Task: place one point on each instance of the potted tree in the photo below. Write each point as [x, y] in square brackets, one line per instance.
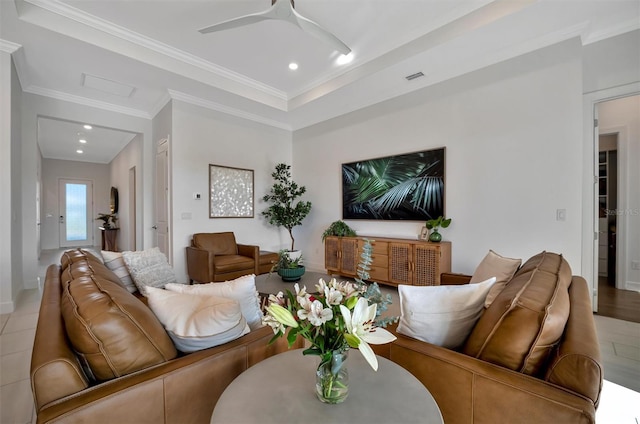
[434, 224]
[285, 209]
[288, 269]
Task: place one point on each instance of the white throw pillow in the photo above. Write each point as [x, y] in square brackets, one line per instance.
[114, 261]
[149, 268]
[494, 265]
[242, 289]
[441, 315]
[197, 322]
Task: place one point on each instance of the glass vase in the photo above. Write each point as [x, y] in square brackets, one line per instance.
[332, 379]
[435, 236]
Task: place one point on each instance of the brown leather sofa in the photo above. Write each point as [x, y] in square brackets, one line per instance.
[101, 356]
[506, 372]
[217, 257]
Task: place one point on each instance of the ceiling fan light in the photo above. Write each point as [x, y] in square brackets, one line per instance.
[87, 127]
[343, 59]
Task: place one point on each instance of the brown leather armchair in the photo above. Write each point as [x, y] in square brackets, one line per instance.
[217, 257]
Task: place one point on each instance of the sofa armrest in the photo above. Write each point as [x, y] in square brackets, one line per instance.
[200, 266]
[182, 390]
[252, 252]
[451, 279]
[470, 390]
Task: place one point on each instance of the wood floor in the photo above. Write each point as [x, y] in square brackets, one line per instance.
[616, 303]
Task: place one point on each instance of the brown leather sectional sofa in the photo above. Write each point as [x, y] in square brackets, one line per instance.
[122, 367]
[101, 356]
[507, 372]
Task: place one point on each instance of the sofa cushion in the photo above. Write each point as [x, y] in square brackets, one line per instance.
[115, 262]
[441, 315]
[79, 262]
[242, 289]
[494, 265]
[197, 322]
[218, 243]
[148, 268]
[110, 329]
[526, 320]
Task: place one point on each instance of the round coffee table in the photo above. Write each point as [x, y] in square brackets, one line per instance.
[281, 389]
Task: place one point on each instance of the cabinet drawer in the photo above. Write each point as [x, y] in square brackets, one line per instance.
[379, 247]
[379, 261]
[378, 274]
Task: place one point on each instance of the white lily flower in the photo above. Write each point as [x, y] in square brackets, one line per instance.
[333, 296]
[361, 327]
[315, 312]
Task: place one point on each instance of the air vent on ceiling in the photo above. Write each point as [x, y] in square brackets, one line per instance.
[107, 86]
[414, 76]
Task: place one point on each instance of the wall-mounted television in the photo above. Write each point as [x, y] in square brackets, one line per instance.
[401, 187]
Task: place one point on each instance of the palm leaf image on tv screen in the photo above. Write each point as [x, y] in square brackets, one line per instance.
[402, 187]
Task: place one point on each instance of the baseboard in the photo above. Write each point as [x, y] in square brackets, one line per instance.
[633, 285]
[7, 307]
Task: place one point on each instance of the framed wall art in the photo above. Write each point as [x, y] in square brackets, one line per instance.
[402, 187]
[230, 192]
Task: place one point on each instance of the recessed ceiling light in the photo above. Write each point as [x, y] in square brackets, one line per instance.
[293, 66]
[343, 59]
[82, 140]
[79, 151]
[87, 127]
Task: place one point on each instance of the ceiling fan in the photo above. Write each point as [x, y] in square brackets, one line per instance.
[283, 10]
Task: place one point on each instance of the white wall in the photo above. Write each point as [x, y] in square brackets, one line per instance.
[202, 137]
[622, 116]
[10, 241]
[513, 134]
[612, 62]
[129, 157]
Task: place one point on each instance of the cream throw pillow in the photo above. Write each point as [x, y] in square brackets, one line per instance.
[494, 265]
[441, 315]
[115, 262]
[197, 322]
[242, 289]
[148, 268]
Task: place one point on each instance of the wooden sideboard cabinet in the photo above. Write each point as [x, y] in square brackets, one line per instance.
[394, 261]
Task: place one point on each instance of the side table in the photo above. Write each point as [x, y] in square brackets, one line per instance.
[281, 389]
[109, 239]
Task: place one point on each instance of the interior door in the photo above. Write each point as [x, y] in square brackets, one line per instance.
[162, 199]
[76, 212]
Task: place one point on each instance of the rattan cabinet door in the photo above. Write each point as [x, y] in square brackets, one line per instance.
[332, 254]
[349, 256]
[400, 263]
[427, 265]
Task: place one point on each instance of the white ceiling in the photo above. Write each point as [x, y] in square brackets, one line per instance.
[153, 50]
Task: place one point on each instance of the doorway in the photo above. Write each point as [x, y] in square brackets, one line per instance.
[618, 280]
[76, 210]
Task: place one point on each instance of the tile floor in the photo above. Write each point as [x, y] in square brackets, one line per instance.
[619, 341]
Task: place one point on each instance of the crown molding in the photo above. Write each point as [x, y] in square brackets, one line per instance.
[8, 46]
[166, 98]
[218, 107]
[59, 95]
[631, 25]
[77, 15]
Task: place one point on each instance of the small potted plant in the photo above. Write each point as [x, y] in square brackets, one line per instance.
[289, 269]
[108, 220]
[339, 229]
[434, 225]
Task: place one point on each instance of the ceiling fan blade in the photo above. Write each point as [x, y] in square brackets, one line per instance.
[234, 23]
[307, 25]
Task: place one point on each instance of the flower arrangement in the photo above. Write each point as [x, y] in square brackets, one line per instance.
[338, 316]
[334, 319]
